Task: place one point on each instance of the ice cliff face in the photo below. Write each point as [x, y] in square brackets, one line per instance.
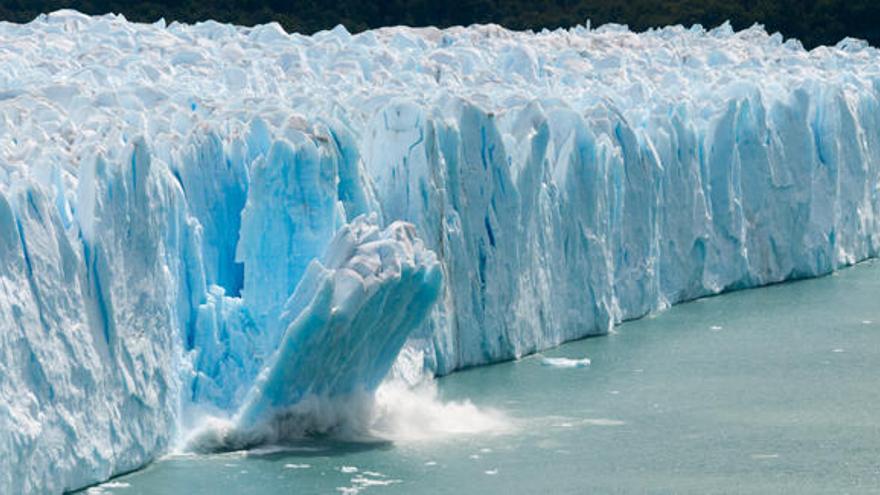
[185, 211]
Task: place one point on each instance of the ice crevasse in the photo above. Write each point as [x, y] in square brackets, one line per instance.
[236, 218]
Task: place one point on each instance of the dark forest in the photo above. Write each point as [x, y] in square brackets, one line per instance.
[814, 22]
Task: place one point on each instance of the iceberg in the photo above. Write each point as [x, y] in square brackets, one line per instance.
[232, 220]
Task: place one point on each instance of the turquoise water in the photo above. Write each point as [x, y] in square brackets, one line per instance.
[773, 390]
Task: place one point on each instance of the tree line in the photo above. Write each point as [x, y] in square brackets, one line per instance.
[814, 22]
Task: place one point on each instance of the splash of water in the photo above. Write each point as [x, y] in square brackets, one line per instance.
[397, 412]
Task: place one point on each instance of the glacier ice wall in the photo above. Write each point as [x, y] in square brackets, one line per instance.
[164, 190]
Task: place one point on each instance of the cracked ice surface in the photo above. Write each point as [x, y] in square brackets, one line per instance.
[164, 190]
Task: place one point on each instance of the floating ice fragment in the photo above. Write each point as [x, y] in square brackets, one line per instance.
[602, 422]
[364, 482]
[103, 487]
[561, 362]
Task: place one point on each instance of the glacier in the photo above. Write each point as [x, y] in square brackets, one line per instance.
[233, 220]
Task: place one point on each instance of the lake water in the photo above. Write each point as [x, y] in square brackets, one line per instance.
[774, 390]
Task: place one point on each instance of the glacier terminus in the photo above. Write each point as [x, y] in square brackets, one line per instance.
[234, 222]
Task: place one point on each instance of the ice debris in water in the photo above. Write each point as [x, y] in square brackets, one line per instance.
[166, 188]
[561, 362]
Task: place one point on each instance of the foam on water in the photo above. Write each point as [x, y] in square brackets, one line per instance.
[398, 412]
[407, 414]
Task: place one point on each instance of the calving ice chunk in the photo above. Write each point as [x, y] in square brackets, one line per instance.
[184, 208]
[348, 318]
[344, 326]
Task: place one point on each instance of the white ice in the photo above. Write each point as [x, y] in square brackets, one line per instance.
[562, 362]
[164, 190]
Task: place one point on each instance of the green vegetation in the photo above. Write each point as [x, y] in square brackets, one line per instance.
[814, 22]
